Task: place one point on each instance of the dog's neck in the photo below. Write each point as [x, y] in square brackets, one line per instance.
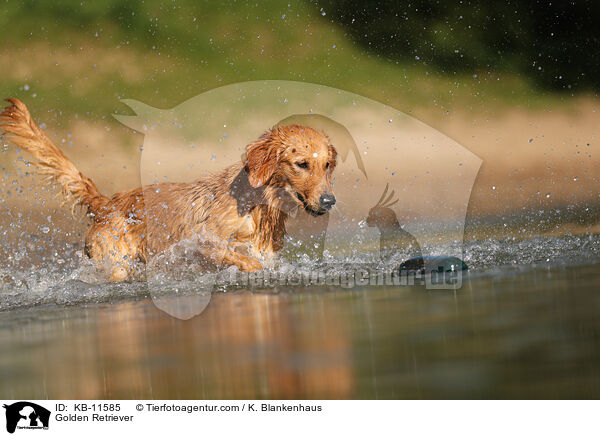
[269, 216]
[269, 206]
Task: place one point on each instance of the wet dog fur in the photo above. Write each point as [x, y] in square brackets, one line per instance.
[236, 216]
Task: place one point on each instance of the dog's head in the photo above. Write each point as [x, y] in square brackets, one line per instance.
[299, 160]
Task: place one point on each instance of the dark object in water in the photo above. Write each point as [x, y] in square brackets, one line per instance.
[434, 263]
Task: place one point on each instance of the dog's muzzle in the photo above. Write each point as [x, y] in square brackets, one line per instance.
[322, 209]
[327, 200]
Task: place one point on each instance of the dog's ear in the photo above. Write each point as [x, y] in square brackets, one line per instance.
[262, 157]
[332, 157]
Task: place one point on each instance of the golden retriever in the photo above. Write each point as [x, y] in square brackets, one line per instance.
[237, 216]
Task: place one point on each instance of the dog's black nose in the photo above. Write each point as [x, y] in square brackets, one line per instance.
[327, 200]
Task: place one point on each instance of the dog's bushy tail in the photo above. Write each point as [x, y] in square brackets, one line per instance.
[22, 131]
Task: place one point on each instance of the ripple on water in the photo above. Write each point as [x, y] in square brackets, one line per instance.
[72, 279]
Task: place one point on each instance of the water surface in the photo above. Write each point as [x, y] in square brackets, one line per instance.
[510, 332]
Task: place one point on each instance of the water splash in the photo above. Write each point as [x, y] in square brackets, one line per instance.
[76, 281]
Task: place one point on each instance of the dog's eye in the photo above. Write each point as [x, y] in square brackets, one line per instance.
[303, 165]
[327, 165]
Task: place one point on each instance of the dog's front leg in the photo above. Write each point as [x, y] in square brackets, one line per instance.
[220, 251]
[243, 262]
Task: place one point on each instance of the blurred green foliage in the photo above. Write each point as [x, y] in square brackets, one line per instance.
[555, 43]
[80, 57]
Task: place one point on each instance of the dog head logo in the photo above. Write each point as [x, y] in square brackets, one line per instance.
[431, 174]
[26, 415]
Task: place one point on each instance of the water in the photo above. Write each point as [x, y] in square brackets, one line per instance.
[71, 279]
[523, 325]
[533, 334]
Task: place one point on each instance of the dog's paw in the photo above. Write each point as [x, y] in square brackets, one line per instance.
[250, 265]
[119, 274]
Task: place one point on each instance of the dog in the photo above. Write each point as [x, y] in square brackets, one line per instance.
[237, 217]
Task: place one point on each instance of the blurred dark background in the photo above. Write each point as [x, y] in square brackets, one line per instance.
[404, 53]
[555, 43]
